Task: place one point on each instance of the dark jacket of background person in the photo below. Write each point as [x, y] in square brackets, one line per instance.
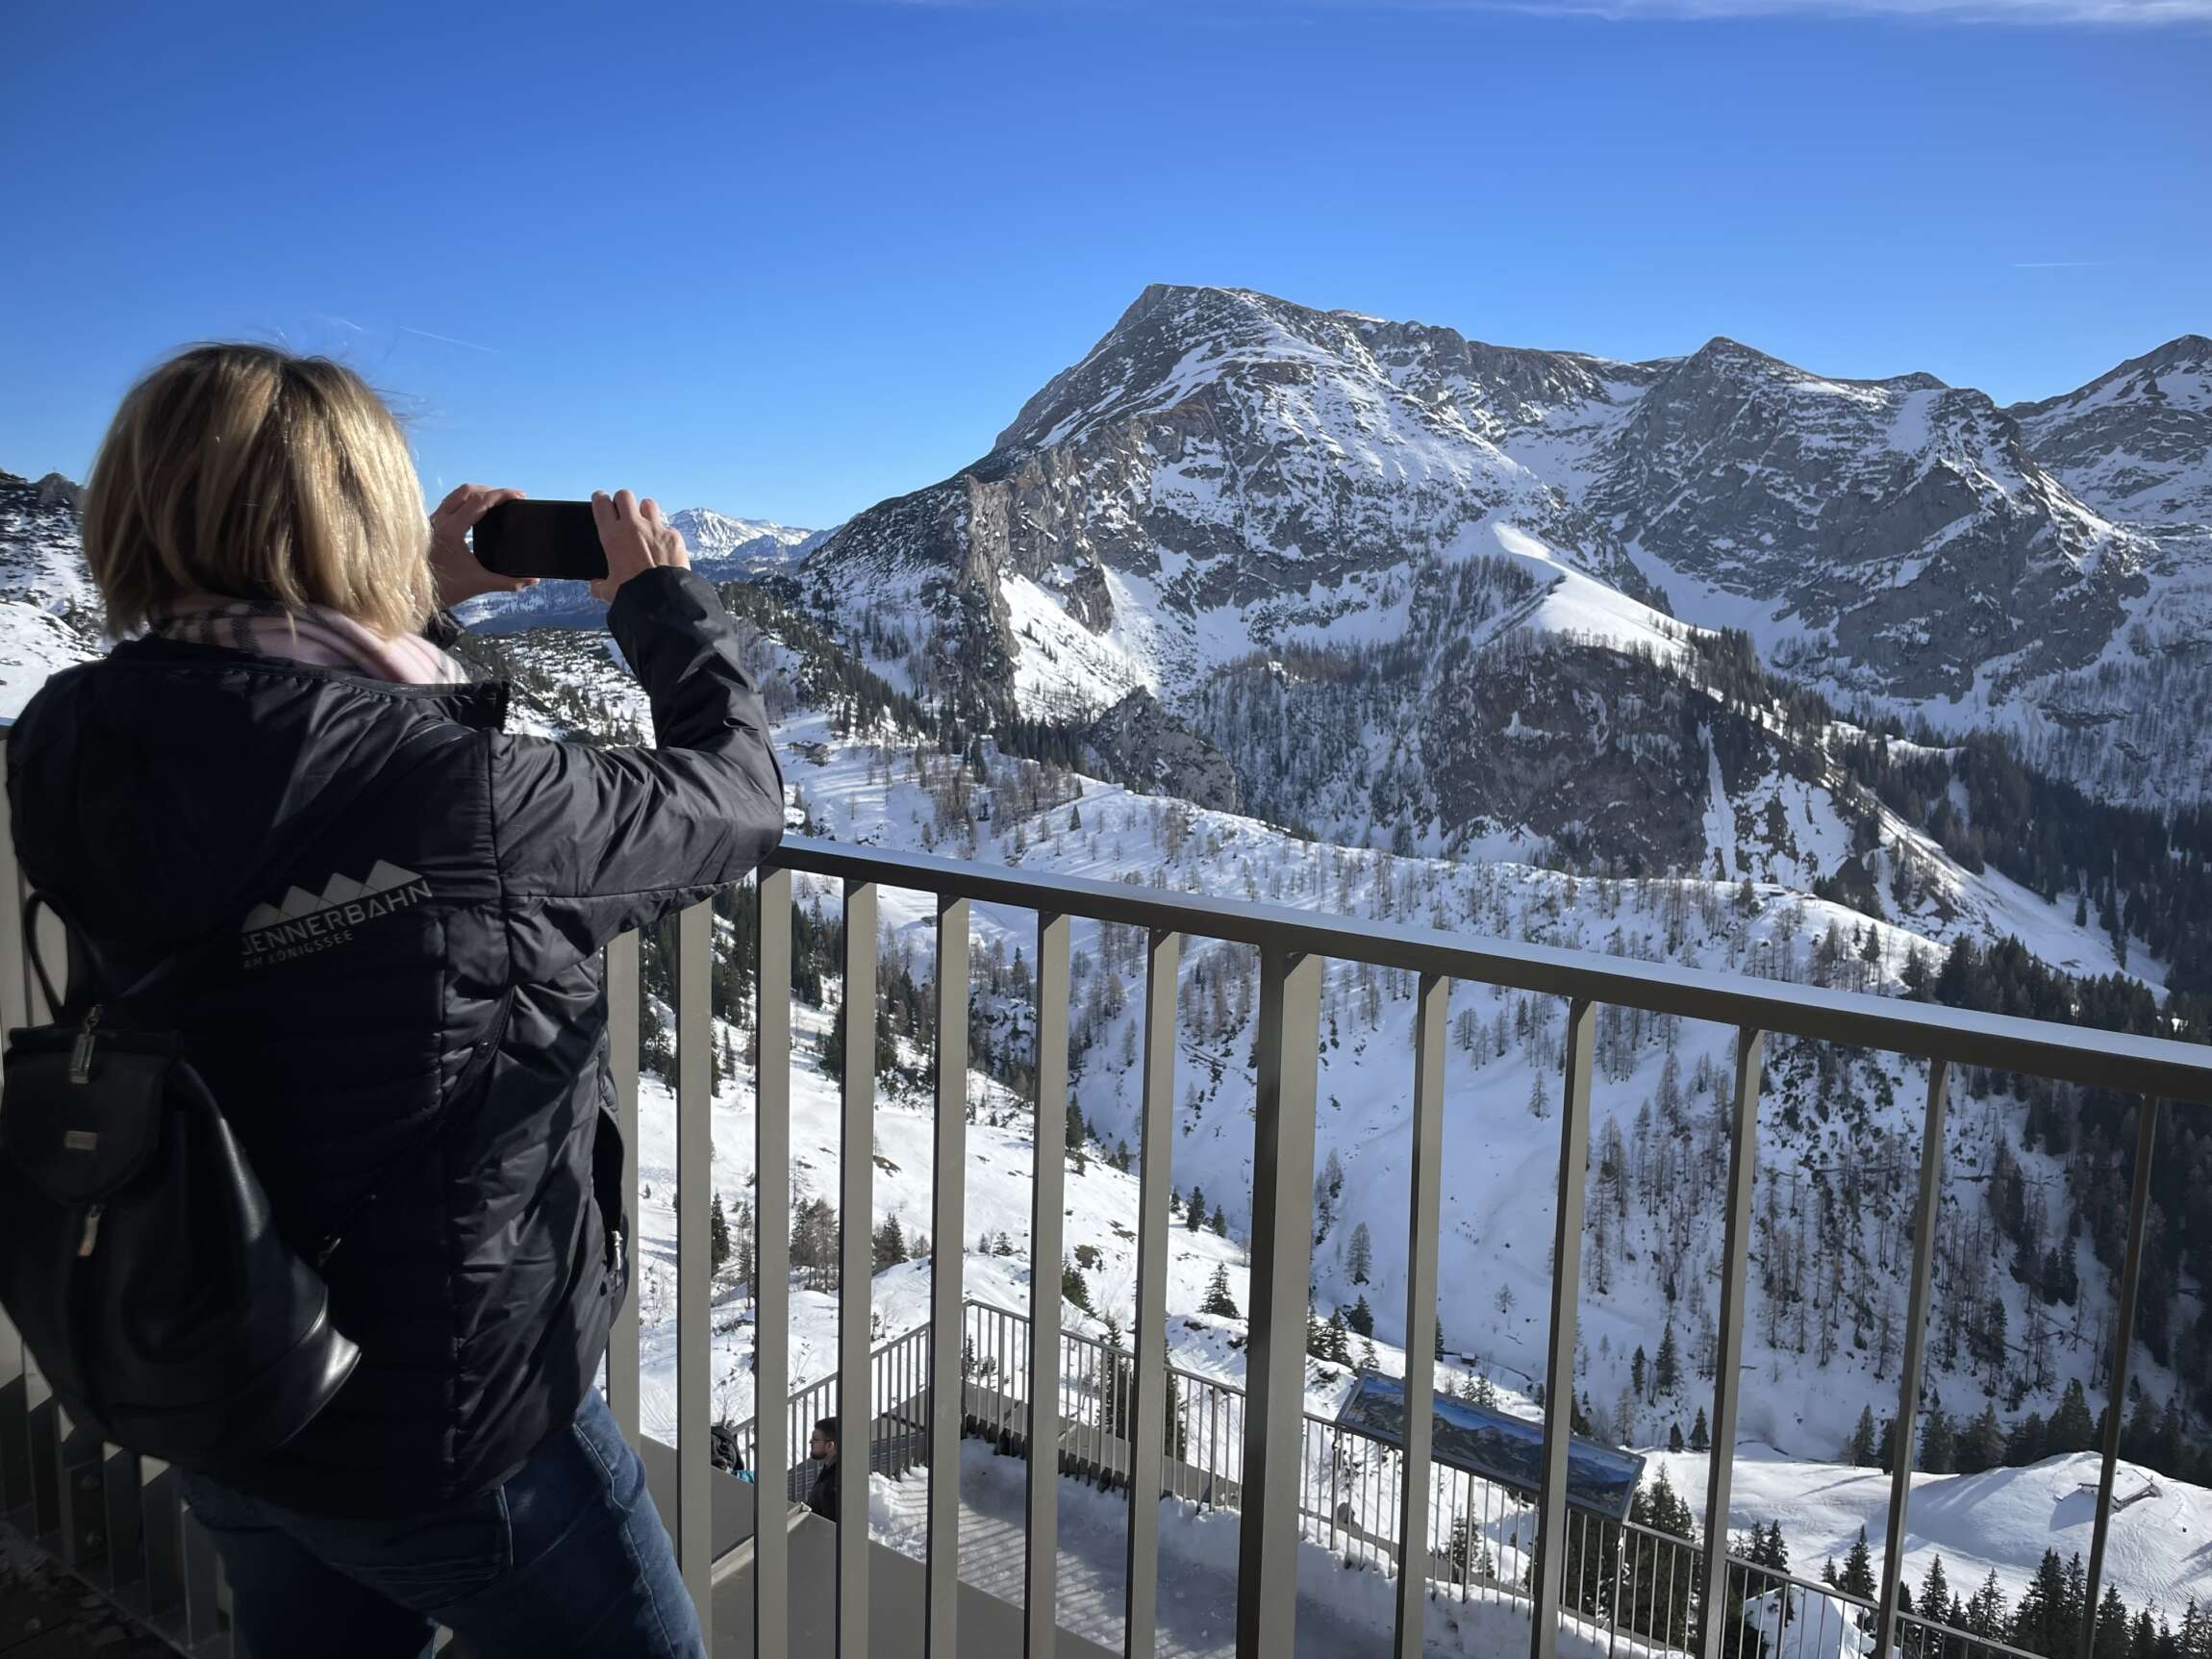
[384, 892]
[823, 1499]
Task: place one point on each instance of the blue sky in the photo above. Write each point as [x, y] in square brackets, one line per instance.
[785, 259]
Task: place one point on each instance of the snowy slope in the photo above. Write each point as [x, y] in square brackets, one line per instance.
[1799, 1401]
[49, 609]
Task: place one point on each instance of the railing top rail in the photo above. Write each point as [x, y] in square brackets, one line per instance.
[1945, 1628]
[2172, 1070]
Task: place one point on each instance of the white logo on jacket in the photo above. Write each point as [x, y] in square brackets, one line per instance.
[305, 923]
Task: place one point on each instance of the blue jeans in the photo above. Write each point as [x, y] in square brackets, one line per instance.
[567, 1557]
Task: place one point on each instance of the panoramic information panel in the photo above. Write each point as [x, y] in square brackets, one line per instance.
[1507, 1450]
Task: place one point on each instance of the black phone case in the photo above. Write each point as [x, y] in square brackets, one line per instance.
[552, 538]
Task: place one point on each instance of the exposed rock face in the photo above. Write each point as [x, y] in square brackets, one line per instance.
[1226, 456]
[50, 614]
[2136, 443]
[1139, 743]
[1226, 472]
[54, 491]
[1900, 524]
[41, 561]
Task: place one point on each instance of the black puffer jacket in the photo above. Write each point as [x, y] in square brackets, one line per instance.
[395, 886]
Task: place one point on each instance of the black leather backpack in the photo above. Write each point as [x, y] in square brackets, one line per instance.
[138, 1257]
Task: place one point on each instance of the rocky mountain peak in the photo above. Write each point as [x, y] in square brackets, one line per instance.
[56, 491]
[2135, 443]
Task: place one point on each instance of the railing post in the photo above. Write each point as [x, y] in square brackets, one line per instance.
[1282, 1266]
[1728, 1350]
[695, 1289]
[1041, 1568]
[122, 1497]
[1146, 1427]
[622, 1011]
[14, 1416]
[1433, 1008]
[161, 1520]
[2122, 1342]
[1903, 1438]
[856, 1159]
[1566, 1294]
[773, 1266]
[947, 1252]
[202, 1577]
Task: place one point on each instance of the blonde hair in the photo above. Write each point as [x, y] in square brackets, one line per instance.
[249, 474]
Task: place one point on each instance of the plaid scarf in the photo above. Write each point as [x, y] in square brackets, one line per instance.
[317, 636]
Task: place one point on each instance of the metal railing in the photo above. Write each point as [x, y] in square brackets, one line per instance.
[1630, 1586]
[150, 1545]
[1270, 1453]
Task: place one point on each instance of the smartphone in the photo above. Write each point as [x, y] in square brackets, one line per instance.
[556, 538]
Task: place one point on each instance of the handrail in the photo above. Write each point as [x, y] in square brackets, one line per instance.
[2161, 1067]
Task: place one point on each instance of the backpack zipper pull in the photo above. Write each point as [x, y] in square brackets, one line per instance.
[81, 1055]
[91, 1232]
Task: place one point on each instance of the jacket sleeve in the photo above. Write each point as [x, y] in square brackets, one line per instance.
[590, 841]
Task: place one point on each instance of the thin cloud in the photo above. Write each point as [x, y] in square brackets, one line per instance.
[2100, 13]
[448, 339]
[2097, 14]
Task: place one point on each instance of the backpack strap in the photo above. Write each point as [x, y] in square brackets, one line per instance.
[83, 996]
[87, 970]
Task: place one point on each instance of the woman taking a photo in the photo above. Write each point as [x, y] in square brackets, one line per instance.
[401, 1013]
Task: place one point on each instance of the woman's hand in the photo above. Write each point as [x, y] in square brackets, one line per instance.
[458, 574]
[636, 538]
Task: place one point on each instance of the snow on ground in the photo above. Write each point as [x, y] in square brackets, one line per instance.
[33, 644]
[1501, 1156]
[2159, 1549]
[1342, 1610]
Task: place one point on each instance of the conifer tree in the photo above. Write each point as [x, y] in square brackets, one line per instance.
[1935, 1590]
[1338, 1336]
[1938, 1443]
[1219, 1301]
[718, 1235]
[1986, 1611]
[888, 1245]
[2072, 1428]
[1857, 1577]
[2112, 1634]
[1860, 1452]
[1981, 1443]
[1073, 1290]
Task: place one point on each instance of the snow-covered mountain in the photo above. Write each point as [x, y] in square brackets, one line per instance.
[2135, 443]
[728, 548]
[1227, 473]
[49, 609]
